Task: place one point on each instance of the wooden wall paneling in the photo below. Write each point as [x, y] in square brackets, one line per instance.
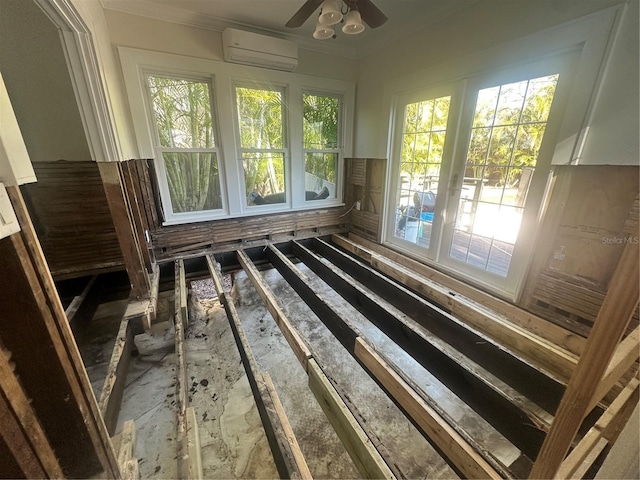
[364, 183]
[127, 238]
[143, 173]
[232, 234]
[70, 213]
[45, 324]
[133, 192]
[29, 453]
[619, 306]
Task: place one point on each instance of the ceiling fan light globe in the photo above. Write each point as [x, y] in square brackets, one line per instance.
[329, 13]
[353, 23]
[323, 32]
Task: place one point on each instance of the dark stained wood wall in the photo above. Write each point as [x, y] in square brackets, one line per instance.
[69, 209]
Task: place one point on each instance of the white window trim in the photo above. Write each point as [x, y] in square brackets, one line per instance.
[137, 63]
[591, 35]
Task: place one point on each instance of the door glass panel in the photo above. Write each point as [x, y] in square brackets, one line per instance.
[508, 126]
[423, 137]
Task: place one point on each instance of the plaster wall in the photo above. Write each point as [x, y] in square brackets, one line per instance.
[150, 34]
[487, 24]
[37, 79]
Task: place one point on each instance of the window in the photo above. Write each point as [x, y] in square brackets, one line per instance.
[465, 164]
[321, 131]
[261, 129]
[185, 143]
[423, 136]
[508, 127]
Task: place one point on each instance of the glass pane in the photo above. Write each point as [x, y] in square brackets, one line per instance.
[440, 113]
[193, 180]
[320, 125]
[539, 98]
[320, 175]
[424, 116]
[182, 112]
[421, 152]
[493, 184]
[264, 178]
[528, 144]
[478, 146]
[436, 147]
[507, 224]
[499, 258]
[502, 142]
[260, 115]
[486, 107]
[510, 103]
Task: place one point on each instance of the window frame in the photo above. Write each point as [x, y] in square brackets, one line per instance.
[163, 184]
[339, 150]
[224, 76]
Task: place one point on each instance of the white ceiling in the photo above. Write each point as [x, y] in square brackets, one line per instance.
[270, 16]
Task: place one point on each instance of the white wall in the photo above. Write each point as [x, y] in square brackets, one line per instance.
[93, 16]
[614, 126]
[37, 79]
[149, 34]
[469, 32]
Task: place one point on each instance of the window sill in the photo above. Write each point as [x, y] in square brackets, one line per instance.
[253, 211]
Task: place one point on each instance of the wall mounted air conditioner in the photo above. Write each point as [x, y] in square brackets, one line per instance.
[250, 48]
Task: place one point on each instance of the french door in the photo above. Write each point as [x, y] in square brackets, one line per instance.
[469, 168]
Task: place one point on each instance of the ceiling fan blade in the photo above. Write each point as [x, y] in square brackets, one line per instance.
[371, 14]
[303, 14]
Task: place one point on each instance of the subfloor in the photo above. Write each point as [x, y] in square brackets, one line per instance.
[232, 439]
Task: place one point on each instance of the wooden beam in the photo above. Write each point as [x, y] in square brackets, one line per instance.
[284, 446]
[472, 342]
[125, 229]
[463, 456]
[297, 344]
[115, 381]
[79, 300]
[348, 336]
[126, 452]
[623, 359]
[193, 445]
[596, 435]
[21, 431]
[368, 461]
[450, 294]
[75, 410]
[553, 334]
[182, 398]
[521, 421]
[617, 309]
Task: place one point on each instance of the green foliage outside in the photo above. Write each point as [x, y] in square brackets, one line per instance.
[261, 119]
[182, 110]
[320, 130]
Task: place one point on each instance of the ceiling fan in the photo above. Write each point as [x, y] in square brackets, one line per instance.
[370, 14]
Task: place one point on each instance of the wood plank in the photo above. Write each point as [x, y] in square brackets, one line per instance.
[193, 445]
[365, 456]
[464, 457]
[181, 292]
[506, 409]
[589, 442]
[555, 361]
[127, 238]
[115, 381]
[619, 306]
[21, 430]
[182, 398]
[77, 408]
[624, 357]
[126, 450]
[297, 344]
[78, 300]
[301, 468]
[284, 446]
